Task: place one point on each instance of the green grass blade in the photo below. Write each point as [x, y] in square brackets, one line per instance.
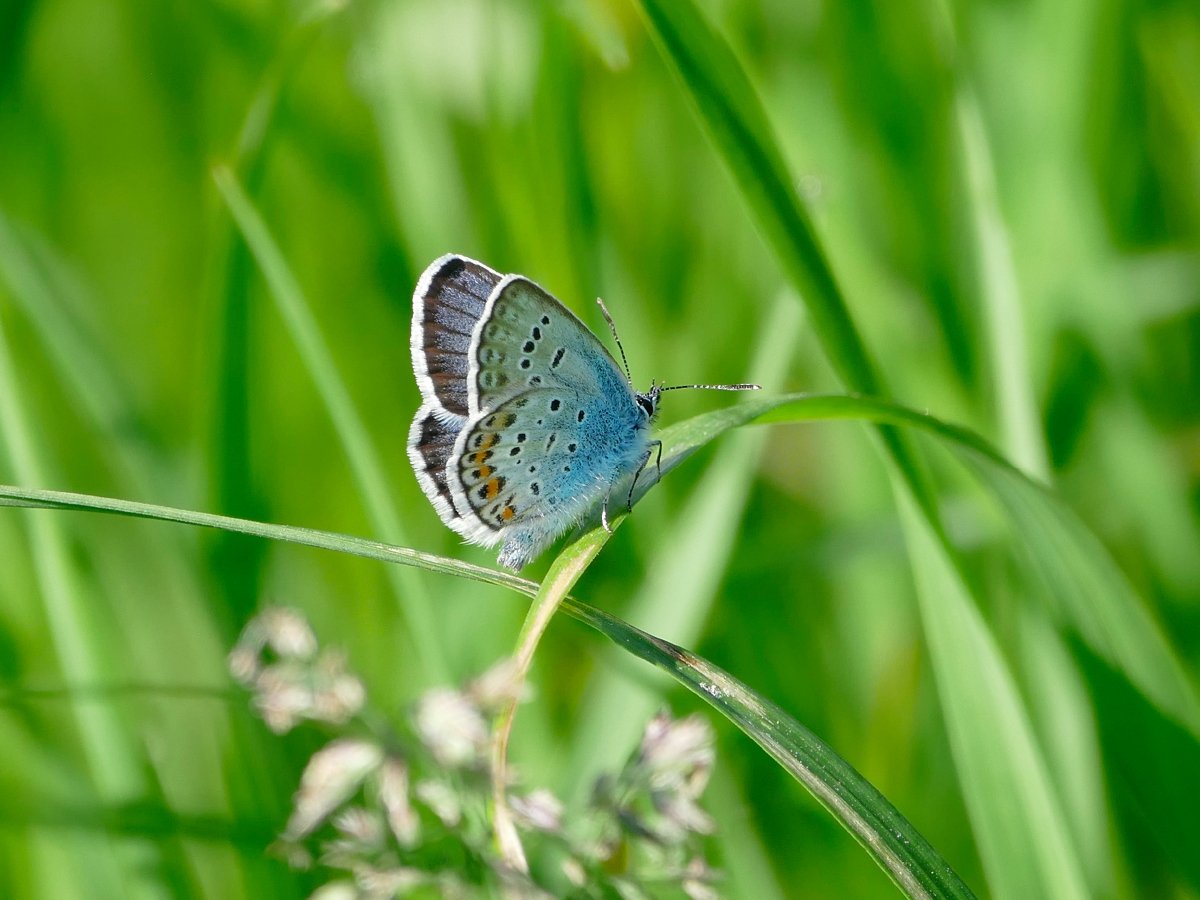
[1018, 827]
[309, 537]
[564, 572]
[112, 756]
[1091, 591]
[356, 442]
[852, 800]
[1019, 419]
[108, 747]
[1063, 711]
[730, 109]
[916, 868]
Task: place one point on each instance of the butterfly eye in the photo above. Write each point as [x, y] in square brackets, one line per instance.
[646, 404]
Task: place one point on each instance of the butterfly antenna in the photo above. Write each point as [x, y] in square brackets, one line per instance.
[714, 387]
[613, 328]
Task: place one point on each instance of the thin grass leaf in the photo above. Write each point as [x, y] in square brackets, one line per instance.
[309, 537]
[733, 116]
[1019, 420]
[1063, 710]
[894, 844]
[112, 758]
[564, 572]
[908, 859]
[1019, 829]
[730, 109]
[744, 857]
[1091, 591]
[107, 745]
[352, 433]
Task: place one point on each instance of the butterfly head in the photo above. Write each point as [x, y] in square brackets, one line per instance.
[648, 402]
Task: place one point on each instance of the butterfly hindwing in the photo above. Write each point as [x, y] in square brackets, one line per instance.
[529, 460]
[449, 300]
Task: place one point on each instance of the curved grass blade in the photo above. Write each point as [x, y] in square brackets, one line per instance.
[915, 866]
[886, 835]
[1019, 829]
[566, 569]
[309, 537]
[728, 105]
[355, 440]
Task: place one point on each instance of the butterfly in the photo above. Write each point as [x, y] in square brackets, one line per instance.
[526, 420]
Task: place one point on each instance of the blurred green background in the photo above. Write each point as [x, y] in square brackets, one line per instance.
[1047, 148]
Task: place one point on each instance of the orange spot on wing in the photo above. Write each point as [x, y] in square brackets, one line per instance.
[493, 488]
[490, 440]
[484, 472]
[508, 513]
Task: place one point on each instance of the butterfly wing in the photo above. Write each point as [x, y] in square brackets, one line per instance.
[526, 340]
[447, 305]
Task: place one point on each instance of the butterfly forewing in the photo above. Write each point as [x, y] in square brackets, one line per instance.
[531, 341]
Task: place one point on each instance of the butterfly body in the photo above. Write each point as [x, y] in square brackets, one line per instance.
[527, 421]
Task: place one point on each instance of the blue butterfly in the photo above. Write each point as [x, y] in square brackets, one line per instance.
[527, 421]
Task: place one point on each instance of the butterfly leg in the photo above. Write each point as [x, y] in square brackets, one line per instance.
[658, 462]
[604, 513]
[641, 466]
